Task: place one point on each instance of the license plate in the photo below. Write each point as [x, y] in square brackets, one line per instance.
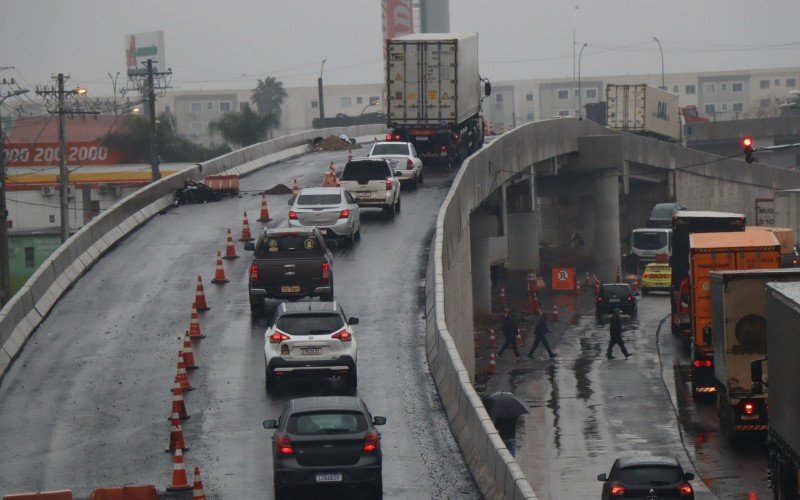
[749, 417]
[613, 300]
[329, 477]
[310, 351]
[422, 138]
[363, 194]
[290, 289]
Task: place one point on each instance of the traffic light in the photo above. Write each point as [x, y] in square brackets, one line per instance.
[747, 143]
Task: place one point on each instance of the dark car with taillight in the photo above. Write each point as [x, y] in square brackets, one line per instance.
[647, 478]
[327, 442]
[615, 296]
[289, 264]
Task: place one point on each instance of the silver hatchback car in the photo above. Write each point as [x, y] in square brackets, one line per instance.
[331, 209]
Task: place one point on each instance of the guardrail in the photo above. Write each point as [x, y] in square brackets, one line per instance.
[33, 302]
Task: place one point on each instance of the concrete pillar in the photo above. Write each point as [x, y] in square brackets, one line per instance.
[481, 277]
[523, 232]
[606, 214]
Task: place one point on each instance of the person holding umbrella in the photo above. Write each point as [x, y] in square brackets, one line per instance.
[505, 409]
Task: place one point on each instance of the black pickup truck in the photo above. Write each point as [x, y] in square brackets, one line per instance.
[289, 264]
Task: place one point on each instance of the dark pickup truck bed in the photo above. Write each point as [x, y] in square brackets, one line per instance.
[289, 264]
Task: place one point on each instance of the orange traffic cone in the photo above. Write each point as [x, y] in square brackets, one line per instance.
[596, 286]
[535, 307]
[492, 365]
[197, 489]
[219, 275]
[586, 279]
[179, 480]
[194, 326]
[182, 376]
[246, 236]
[519, 339]
[503, 295]
[295, 189]
[635, 285]
[188, 352]
[492, 339]
[230, 249]
[555, 313]
[200, 296]
[176, 441]
[264, 217]
[578, 290]
[178, 404]
[332, 168]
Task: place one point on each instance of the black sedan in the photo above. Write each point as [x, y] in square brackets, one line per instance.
[647, 478]
[326, 441]
[615, 296]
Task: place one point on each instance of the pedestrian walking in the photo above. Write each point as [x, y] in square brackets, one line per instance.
[615, 325]
[510, 330]
[507, 430]
[505, 408]
[540, 336]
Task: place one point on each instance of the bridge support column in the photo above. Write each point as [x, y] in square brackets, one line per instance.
[523, 230]
[607, 235]
[483, 228]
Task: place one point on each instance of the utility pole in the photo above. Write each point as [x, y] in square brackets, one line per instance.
[148, 89]
[5, 268]
[114, 86]
[321, 102]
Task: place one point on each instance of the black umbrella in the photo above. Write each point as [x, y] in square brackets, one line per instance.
[504, 405]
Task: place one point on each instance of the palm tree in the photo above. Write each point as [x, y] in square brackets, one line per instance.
[268, 97]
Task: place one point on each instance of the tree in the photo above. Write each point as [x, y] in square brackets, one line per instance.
[268, 97]
[243, 128]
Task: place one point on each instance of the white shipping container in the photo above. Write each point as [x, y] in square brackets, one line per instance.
[787, 210]
[642, 109]
[432, 79]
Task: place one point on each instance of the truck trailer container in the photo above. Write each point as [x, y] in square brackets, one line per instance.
[719, 252]
[644, 110]
[785, 236]
[739, 330]
[787, 210]
[434, 93]
[684, 223]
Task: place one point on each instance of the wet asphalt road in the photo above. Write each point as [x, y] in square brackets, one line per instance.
[85, 404]
[586, 410]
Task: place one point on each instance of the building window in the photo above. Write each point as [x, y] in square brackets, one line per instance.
[738, 107]
[197, 128]
[224, 106]
[737, 87]
[723, 87]
[791, 82]
[529, 96]
[359, 100]
[373, 99]
[676, 89]
[724, 106]
[709, 88]
[529, 116]
[710, 109]
[499, 97]
[763, 84]
[209, 105]
[346, 102]
[563, 94]
[242, 106]
[764, 103]
[314, 104]
[196, 107]
[563, 112]
[52, 219]
[30, 261]
[777, 82]
[690, 89]
[591, 93]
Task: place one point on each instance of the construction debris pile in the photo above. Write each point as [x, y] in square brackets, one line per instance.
[333, 143]
[196, 192]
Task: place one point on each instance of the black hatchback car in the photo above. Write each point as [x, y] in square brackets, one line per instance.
[647, 478]
[615, 296]
[326, 441]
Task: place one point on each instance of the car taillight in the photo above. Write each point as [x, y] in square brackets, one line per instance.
[748, 407]
[617, 490]
[630, 298]
[278, 337]
[292, 215]
[600, 299]
[326, 271]
[685, 489]
[285, 445]
[344, 214]
[443, 148]
[702, 363]
[388, 184]
[344, 336]
[371, 442]
[388, 137]
[409, 164]
[254, 274]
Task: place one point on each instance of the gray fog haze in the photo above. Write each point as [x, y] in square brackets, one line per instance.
[212, 44]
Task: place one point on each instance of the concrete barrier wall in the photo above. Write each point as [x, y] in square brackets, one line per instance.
[30, 305]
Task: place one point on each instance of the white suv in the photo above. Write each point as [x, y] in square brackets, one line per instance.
[373, 183]
[310, 339]
[404, 159]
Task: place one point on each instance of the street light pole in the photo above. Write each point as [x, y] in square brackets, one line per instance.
[663, 85]
[580, 95]
[321, 101]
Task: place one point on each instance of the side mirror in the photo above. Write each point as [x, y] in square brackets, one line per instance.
[353, 321]
[250, 246]
[270, 424]
[602, 477]
[398, 173]
[707, 335]
[487, 89]
[378, 420]
[688, 476]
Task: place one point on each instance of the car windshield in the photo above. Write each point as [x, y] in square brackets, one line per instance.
[649, 475]
[649, 240]
[390, 149]
[620, 290]
[319, 199]
[664, 211]
[289, 245]
[310, 324]
[326, 422]
[365, 170]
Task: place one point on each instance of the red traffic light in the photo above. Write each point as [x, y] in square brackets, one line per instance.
[747, 142]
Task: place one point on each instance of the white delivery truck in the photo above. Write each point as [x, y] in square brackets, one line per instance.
[644, 110]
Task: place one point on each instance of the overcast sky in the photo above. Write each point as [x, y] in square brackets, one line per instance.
[228, 44]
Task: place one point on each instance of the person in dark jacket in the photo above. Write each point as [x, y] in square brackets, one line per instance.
[616, 335]
[540, 335]
[507, 430]
[510, 330]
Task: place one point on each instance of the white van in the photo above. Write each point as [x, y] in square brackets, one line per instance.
[647, 242]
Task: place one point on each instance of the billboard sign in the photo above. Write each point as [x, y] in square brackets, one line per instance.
[44, 154]
[765, 212]
[398, 18]
[139, 47]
